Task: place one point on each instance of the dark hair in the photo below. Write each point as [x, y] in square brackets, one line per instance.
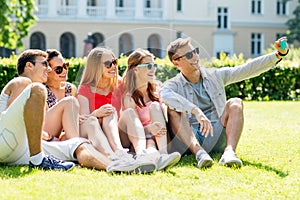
[28, 56]
[52, 53]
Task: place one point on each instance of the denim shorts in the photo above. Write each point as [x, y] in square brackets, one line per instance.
[215, 143]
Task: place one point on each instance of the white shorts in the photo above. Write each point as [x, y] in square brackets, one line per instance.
[63, 150]
[13, 138]
[14, 148]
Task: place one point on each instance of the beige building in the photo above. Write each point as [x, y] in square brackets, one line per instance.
[231, 26]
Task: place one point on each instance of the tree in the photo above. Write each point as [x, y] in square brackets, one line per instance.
[16, 17]
[293, 24]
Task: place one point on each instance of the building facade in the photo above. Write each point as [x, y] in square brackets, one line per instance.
[230, 26]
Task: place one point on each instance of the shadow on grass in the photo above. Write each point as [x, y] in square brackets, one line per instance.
[7, 172]
[189, 160]
[266, 167]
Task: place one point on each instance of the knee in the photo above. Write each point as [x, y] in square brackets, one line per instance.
[155, 105]
[173, 114]
[91, 120]
[71, 101]
[129, 112]
[235, 104]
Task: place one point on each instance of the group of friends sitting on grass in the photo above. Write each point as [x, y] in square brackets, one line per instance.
[131, 123]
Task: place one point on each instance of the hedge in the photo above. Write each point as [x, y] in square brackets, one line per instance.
[280, 83]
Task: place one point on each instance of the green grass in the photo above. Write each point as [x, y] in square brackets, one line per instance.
[269, 148]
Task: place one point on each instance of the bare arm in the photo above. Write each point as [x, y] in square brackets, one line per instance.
[15, 87]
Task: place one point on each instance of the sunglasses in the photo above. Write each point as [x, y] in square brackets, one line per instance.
[189, 55]
[44, 62]
[109, 64]
[59, 69]
[149, 66]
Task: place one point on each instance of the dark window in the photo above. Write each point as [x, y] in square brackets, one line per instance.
[37, 41]
[67, 45]
[256, 44]
[256, 7]
[222, 18]
[148, 4]
[179, 5]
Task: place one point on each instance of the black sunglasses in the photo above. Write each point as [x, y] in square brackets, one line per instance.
[149, 66]
[189, 55]
[59, 69]
[44, 62]
[108, 64]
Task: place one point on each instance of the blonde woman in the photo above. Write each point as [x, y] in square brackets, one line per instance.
[98, 98]
[140, 96]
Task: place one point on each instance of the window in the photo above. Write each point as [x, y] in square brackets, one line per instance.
[256, 7]
[119, 3]
[98, 39]
[38, 41]
[5, 52]
[222, 18]
[148, 4]
[91, 3]
[67, 45]
[281, 7]
[256, 44]
[179, 5]
[154, 45]
[125, 44]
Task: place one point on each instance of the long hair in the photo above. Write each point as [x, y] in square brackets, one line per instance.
[92, 73]
[129, 78]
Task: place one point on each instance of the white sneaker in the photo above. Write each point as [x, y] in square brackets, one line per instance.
[122, 166]
[146, 162]
[230, 159]
[167, 160]
[123, 155]
[204, 160]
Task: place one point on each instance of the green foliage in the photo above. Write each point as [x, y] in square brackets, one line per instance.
[294, 26]
[280, 83]
[16, 17]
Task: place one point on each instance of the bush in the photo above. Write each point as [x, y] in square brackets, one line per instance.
[280, 83]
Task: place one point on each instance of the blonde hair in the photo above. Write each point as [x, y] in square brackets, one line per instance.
[129, 78]
[92, 73]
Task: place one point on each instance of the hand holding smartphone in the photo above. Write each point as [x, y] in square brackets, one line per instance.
[283, 44]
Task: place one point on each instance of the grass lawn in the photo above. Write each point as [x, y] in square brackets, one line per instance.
[269, 148]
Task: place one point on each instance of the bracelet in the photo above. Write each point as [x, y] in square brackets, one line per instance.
[281, 54]
[149, 136]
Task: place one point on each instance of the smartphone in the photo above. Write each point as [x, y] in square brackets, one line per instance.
[283, 44]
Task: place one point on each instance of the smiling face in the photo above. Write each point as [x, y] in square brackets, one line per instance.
[40, 69]
[143, 74]
[186, 58]
[56, 63]
[109, 65]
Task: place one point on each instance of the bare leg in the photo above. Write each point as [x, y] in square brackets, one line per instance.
[111, 130]
[91, 130]
[63, 116]
[181, 128]
[233, 120]
[34, 113]
[156, 115]
[130, 123]
[89, 157]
